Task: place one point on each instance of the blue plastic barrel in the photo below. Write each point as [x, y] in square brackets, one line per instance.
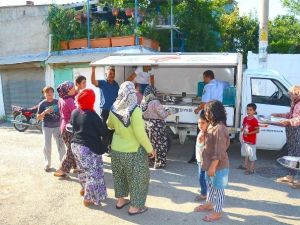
[200, 88]
[229, 96]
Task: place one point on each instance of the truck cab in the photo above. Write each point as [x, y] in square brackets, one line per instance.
[269, 91]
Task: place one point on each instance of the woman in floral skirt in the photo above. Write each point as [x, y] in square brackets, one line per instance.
[87, 146]
[154, 115]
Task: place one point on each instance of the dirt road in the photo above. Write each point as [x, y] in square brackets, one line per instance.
[28, 195]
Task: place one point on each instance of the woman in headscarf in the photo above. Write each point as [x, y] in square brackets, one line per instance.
[292, 124]
[88, 146]
[130, 147]
[66, 105]
[155, 114]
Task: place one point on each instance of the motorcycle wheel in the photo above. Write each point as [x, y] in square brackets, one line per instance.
[21, 119]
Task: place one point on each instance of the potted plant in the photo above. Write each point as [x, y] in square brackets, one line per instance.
[123, 34]
[60, 21]
[100, 32]
[129, 12]
[115, 11]
[148, 34]
[78, 43]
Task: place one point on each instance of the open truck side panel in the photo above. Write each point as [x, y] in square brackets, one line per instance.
[176, 74]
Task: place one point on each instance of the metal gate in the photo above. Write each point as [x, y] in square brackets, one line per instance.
[22, 87]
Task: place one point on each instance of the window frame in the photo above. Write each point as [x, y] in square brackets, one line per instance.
[279, 86]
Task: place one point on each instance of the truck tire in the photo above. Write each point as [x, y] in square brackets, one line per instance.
[283, 151]
[169, 144]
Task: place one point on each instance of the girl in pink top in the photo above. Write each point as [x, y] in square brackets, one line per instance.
[66, 105]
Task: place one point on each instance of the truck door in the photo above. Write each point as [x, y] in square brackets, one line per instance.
[270, 96]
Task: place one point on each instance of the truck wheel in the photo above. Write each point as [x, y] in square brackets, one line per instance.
[169, 142]
[283, 151]
[21, 119]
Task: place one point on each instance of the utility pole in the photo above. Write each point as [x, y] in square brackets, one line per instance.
[172, 25]
[136, 7]
[263, 33]
[88, 22]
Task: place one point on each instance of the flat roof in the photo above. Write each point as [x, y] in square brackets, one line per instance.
[171, 59]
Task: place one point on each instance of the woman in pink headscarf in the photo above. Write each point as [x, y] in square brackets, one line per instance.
[66, 105]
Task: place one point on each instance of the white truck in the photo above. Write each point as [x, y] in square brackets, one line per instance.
[177, 77]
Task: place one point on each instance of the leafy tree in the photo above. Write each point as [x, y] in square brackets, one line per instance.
[195, 19]
[292, 5]
[284, 35]
[239, 33]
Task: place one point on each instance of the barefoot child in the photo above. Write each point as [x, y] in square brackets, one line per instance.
[249, 130]
[215, 160]
[202, 125]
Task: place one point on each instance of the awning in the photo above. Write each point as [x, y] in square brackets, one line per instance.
[164, 59]
[20, 59]
[90, 55]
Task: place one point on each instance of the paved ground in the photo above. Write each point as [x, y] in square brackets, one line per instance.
[31, 196]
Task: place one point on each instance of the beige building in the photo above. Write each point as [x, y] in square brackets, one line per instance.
[24, 47]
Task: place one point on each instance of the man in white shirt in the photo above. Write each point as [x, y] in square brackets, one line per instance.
[213, 89]
[143, 76]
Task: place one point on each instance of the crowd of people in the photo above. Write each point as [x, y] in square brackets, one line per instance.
[132, 129]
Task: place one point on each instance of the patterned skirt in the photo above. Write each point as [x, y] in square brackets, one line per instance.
[156, 130]
[293, 140]
[69, 161]
[91, 175]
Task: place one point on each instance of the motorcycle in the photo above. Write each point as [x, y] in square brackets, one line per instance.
[23, 118]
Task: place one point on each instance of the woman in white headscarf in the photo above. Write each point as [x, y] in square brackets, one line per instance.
[292, 124]
[130, 149]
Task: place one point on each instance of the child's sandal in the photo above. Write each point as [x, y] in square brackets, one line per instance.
[202, 208]
[211, 217]
[200, 198]
[248, 172]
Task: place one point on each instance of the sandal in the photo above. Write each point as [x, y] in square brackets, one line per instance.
[248, 172]
[286, 179]
[87, 203]
[81, 192]
[141, 210]
[59, 174]
[211, 217]
[200, 198]
[295, 185]
[122, 206]
[203, 208]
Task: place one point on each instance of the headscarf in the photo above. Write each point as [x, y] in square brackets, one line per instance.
[149, 95]
[86, 99]
[294, 94]
[125, 103]
[64, 88]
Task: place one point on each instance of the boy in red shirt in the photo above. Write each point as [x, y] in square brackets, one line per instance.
[249, 130]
